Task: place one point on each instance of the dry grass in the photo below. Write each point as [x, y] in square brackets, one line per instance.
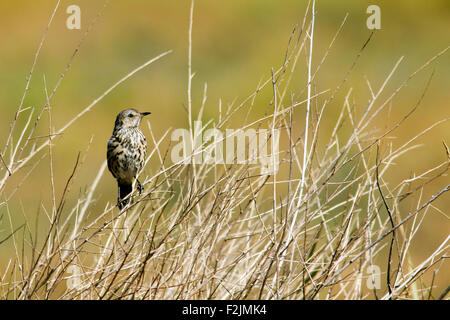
[312, 230]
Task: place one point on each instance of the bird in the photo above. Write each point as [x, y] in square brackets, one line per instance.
[127, 149]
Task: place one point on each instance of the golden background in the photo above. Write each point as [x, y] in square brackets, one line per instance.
[235, 45]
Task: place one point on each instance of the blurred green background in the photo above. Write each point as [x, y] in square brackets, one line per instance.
[235, 45]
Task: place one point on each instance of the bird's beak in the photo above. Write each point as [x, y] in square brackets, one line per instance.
[145, 114]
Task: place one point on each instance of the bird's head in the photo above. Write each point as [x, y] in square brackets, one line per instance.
[129, 118]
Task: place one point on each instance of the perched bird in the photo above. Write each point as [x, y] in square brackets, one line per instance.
[126, 153]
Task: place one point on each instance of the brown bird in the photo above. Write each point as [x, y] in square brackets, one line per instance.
[126, 153]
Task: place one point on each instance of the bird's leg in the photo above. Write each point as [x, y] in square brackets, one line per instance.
[139, 186]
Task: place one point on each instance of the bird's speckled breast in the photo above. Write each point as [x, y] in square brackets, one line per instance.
[126, 154]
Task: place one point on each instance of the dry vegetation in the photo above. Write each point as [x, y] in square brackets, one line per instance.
[312, 230]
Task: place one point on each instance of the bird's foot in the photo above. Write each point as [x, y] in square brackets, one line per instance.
[140, 187]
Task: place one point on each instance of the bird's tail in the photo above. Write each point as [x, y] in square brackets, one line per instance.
[124, 191]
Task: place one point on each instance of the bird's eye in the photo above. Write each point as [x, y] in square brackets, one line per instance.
[130, 115]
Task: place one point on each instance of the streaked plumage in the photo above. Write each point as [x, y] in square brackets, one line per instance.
[126, 153]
